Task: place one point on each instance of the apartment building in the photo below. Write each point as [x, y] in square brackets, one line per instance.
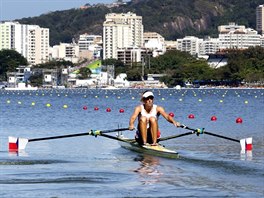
[189, 44]
[260, 19]
[31, 41]
[121, 31]
[155, 42]
[66, 51]
[235, 36]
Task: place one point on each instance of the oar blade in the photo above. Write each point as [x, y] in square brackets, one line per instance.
[246, 144]
[15, 144]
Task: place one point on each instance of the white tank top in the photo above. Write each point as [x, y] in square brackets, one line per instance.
[152, 113]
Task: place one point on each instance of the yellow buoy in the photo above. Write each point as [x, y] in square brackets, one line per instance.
[33, 103]
[48, 105]
[65, 106]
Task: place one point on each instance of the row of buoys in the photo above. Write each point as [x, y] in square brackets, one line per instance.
[239, 120]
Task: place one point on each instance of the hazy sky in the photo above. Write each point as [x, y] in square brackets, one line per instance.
[17, 9]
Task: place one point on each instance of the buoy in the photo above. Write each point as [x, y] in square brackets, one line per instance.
[171, 114]
[121, 110]
[96, 108]
[48, 105]
[191, 116]
[246, 102]
[65, 106]
[239, 120]
[33, 103]
[108, 110]
[84, 107]
[213, 118]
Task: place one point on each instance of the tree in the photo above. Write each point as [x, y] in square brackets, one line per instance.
[84, 73]
[9, 61]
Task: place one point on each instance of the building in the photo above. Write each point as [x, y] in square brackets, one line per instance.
[90, 46]
[121, 31]
[66, 51]
[208, 46]
[235, 36]
[31, 41]
[154, 42]
[189, 44]
[260, 19]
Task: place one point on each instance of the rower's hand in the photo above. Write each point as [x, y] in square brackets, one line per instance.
[177, 124]
[131, 127]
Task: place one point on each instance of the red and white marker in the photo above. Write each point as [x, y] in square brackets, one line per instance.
[16, 144]
[246, 144]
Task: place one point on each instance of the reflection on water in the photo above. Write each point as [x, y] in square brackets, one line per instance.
[148, 169]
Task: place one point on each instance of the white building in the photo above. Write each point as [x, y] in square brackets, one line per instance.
[235, 36]
[66, 51]
[260, 19]
[121, 31]
[31, 41]
[189, 44]
[154, 42]
[86, 40]
[209, 46]
[90, 46]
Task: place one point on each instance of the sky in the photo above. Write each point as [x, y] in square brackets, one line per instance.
[17, 9]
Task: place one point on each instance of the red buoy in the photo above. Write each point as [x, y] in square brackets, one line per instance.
[85, 108]
[108, 110]
[191, 116]
[213, 118]
[239, 120]
[96, 108]
[121, 110]
[171, 114]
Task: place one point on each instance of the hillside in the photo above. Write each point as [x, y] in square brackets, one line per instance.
[171, 18]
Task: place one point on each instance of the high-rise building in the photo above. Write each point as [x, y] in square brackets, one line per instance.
[235, 36]
[121, 31]
[31, 41]
[260, 19]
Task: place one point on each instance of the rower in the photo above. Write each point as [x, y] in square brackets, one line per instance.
[147, 114]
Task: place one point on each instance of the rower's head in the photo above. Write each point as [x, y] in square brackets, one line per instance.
[147, 96]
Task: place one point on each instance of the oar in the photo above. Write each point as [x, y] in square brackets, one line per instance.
[246, 143]
[20, 143]
[176, 136]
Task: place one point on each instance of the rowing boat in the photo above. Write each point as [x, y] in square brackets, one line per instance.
[158, 150]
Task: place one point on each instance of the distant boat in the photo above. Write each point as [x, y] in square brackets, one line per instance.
[21, 86]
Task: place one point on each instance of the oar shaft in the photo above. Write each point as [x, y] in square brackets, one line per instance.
[176, 136]
[212, 134]
[78, 134]
[58, 137]
[224, 137]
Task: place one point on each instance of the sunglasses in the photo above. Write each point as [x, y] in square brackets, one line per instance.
[150, 97]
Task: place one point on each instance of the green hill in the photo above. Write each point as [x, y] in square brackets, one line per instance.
[171, 18]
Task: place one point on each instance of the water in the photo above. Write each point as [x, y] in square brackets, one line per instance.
[88, 166]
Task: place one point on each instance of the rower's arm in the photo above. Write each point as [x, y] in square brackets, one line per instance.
[133, 118]
[167, 116]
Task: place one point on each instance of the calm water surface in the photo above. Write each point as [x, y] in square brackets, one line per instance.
[99, 167]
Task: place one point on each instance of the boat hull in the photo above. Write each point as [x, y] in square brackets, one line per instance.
[159, 150]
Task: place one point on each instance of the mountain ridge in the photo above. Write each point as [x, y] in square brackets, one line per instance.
[171, 18]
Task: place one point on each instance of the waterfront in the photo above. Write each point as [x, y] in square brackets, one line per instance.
[89, 166]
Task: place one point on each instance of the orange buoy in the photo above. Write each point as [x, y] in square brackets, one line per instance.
[96, 108]
[213, 118]
[171, 114]
[85, 108]
[191, 116]
[121, 110]
[239, 120]
[108, 110]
